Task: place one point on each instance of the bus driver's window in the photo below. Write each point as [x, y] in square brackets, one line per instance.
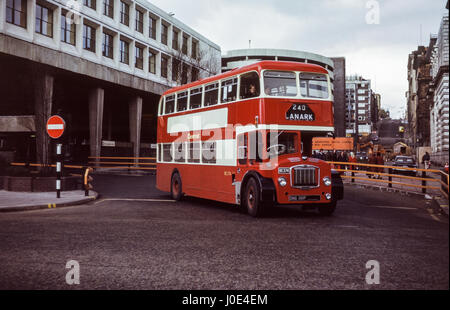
[249, 85]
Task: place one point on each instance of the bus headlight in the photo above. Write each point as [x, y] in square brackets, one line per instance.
[282, 182]
[328, 196]
[327, 181]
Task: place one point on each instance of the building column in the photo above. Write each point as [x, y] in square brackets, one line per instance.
[135, 114]
[96, 103]
[43, 90]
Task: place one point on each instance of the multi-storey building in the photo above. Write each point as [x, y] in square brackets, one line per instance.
[358, 115]
[439, 116]
[102, 64]
[418, 100]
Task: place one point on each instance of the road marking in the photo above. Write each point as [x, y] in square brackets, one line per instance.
[130, 199]
[430, 211]
[388, 207]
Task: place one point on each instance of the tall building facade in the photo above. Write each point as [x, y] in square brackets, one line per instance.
[102, 64]
[439, 116]
[419, 101]
[335, 66]
[361, 113]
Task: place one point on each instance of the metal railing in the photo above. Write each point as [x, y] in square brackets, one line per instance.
[125, 163]
[424, 179]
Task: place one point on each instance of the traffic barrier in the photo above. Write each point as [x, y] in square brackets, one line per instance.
[424, 179]
[125, 163]
[61, 166]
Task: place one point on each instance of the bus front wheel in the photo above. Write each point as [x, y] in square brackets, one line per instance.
[176, 189]
[252, 198]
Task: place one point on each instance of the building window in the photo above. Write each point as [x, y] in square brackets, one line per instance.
[176, 68]
[124, 54]
[152, 62]
[185, 45]
[44, 21]
[108, 45]
[108, 8]
[139, 21]
[164, 31]
[68, 29]
[124, 13]
[194, 75]
[152, 28]
[184, 74]
[139, 57]
[164, 65]
[175, 40]
[16, 12]
[89, 38]
[90, 4]
[194, 49]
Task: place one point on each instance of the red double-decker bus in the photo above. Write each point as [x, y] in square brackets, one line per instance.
[245, 137]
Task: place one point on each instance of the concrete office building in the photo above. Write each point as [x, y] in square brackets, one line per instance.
[439, 116]
[335, 66]
[101, 64]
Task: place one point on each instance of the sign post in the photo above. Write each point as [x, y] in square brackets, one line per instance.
[55, 129]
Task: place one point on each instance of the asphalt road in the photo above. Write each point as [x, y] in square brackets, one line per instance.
[198, 244]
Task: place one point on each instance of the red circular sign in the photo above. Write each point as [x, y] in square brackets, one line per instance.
[55, 126]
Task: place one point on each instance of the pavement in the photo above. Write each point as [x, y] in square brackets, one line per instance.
[20, 201]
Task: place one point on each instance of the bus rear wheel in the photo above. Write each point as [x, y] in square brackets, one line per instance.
[252, 199]
[176, 188]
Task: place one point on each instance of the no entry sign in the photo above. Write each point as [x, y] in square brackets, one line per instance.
[55, 126]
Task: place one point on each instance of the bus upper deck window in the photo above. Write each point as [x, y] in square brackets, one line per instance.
[182, 101]
[313, 85]
[170, 104]
[280, 83]
[229, 90]
[249, 85]
[196, 98]
[211, 94]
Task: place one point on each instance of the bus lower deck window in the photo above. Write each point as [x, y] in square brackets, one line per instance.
[194, 152]
[209, 152]
[179, 153]
[167, 152]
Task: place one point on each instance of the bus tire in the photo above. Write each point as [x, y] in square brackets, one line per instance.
[176, 187]
[252, 198]
[327, 209]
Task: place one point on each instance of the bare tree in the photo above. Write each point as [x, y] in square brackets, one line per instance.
[183, 66]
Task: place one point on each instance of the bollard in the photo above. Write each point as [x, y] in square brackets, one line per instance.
[390, 178]
[424, 182]
[353, 177]
[58, 170]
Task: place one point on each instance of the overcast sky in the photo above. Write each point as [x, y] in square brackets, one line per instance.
[328, 27]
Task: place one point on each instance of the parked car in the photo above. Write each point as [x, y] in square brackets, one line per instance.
[405, 162]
